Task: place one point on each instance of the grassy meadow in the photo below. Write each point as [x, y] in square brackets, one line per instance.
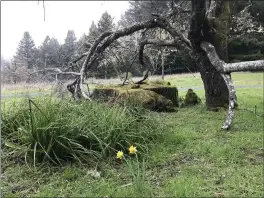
[54, 147]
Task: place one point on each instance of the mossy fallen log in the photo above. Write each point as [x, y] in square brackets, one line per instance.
[104, 94]
[145, 98]
[157, 97]
[170, 93]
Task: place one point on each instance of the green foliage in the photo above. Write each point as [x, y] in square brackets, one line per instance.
[93, 31]
[106, 23]
[191, 98]
[246, 48]
[57, 131]
[69, 47]
[26, 52]
[50, 53]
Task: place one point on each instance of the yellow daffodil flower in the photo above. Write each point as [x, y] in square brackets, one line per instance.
[119, 155]
[132, 150]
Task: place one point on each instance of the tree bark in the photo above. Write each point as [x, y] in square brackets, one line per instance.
[216, 90]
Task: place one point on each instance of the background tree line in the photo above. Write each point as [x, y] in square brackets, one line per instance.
[245, 42]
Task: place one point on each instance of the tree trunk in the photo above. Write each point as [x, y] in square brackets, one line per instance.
[216, 91]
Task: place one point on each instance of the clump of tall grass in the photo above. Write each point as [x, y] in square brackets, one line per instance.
[58, 130]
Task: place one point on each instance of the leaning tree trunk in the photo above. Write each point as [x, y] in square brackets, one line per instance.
[202, 29]
[216, 91]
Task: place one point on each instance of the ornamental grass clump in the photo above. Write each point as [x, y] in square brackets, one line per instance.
[48, 129]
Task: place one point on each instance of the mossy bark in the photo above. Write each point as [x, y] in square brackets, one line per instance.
[104, 94]
[170, 93]
[191, 98]
[158, 98]
[147, 99]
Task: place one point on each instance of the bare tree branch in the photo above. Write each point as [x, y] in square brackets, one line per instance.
[211, 12]
[57, 71]
[164, 23]
[79, 58]
[224, 67]
[232, 101]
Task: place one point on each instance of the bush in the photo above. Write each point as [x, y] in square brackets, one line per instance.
[191, 98]
[53, 130]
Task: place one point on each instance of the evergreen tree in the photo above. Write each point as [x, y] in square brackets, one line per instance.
[81, 44]
[93, 31]
[26, 52]
[50, 52]
[69, 47]
[106, 23]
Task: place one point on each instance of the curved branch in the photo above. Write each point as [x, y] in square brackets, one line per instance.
[224, 67]
[89, 54]
[164, 23]
[232, 101]
[97, 48]
[80, 57]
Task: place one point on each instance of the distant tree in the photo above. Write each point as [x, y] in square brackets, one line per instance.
[104, 66]
[93, 31]
[143, 10]
[11, 72]
[26, 52]
[50, 53]
[81, 44]
[106, 23]
[69, 47]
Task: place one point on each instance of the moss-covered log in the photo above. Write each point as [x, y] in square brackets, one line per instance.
[104, 94]
[170, 93]
[153, 96]
[147, 99]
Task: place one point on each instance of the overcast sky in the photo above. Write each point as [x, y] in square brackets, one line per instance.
[61, 16]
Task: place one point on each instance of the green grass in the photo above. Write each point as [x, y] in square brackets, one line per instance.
[190, 157]
[239, 79]
[22, 88]
[48, 129]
